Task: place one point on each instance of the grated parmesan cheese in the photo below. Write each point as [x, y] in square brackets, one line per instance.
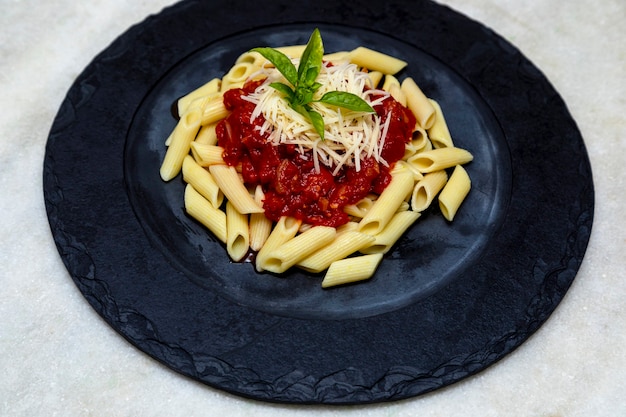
[349, 136]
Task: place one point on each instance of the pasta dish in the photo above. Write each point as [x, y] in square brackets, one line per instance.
[314, 161]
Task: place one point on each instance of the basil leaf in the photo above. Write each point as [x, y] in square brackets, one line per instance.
[347, 101]
[285, 89]
[281, 62]
[303, 96]
[318, 122]
[311, 60]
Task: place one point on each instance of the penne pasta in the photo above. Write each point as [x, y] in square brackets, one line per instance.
[345, 244]
[207, 155]
[184, 132]
[392, 86]
[213, 109]
[418, 103]
[438, 159]
[238, 74]
[234, 190]
[388, 203]
[426, 190]
[360, 208]
[207, 135]
[237, 233]
[202, 181]
[203, 211]
[439, 134]
[396, 227]
[337, 57]
[292, 51]
[253, 58]
[351, 270]
[285, 229]
[375, 77]
[292, 251]
[376, 61]
[207, 89]
[260, 226]
[454, 192]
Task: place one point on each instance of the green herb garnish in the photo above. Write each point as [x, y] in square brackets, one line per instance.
[304, 85]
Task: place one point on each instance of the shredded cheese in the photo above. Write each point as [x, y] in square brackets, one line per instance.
[349, 136]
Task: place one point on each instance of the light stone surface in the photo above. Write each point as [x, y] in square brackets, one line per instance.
[59, 358]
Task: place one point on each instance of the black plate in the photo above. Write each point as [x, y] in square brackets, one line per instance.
[448, 301]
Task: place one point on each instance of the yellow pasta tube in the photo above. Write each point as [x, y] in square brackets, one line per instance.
[361, 207]
[438, 159]
[439, 134]
[260, 226]
[454, 192]
[237, 233]
[291, 252]
[207, 155]
[292, 51]
[396, 227]
[253, 58]
[426, 190]
[418, 103]
[351, 270]
[420, 140]
[202, 210]
[207, 135]
[392, 86]
[376, 77]
[405, 165]
[202, 181]
[337, 57]
[210, 87]
[213, 110]
[284, 230]
[237, 76]
[184, 132]
[234, 190]
[388, 202]
[376, 61]
[345, 244]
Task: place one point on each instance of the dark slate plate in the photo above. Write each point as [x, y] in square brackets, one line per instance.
[448, 301]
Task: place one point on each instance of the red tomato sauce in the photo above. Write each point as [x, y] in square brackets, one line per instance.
[291, 184]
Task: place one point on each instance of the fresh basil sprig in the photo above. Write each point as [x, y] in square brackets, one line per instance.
[304, 85]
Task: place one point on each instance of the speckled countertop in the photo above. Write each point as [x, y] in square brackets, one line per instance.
[59, 358]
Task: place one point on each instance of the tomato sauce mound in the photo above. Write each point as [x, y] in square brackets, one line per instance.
[292, 185]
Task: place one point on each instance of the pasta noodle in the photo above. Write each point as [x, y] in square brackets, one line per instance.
[234, 190]
[454, 192]
[376, 61]
[349, 270]
[419, 104]
[438, 133]
[260, 226]
[426, 190]
[235, 210]
[388, 203]
[438, 159]
[237, 233]
[285, 229]
[202, 210]
[345, 244]
[207, 155]
[202, 181]
[396, 227]
[184, 132]
[207, 89]
[298, 248]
